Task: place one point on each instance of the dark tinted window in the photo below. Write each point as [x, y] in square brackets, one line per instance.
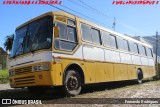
[86, 33]
[96, 36]
[113, 41]
[106, 39]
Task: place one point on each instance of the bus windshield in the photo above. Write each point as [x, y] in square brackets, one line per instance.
[34, 36]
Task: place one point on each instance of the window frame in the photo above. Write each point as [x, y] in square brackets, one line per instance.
[128, 49]
[103, 39]
[91, 27]
[82, 32]
[66, 40]
[150, 51]
[100, 42]
[137, 48]
[116, 46]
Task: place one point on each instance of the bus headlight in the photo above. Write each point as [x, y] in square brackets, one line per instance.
[40, 67]
[11, 72]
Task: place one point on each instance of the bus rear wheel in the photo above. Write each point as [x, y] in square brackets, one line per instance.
[139, 76]
[72, 83]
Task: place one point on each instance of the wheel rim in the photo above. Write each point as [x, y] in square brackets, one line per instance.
[72, 83]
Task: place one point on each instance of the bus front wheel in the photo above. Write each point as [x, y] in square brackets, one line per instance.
[72, 83]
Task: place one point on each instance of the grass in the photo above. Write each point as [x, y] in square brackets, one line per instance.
[4, 77]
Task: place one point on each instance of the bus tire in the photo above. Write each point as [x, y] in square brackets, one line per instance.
[72, 83]
[139, 76]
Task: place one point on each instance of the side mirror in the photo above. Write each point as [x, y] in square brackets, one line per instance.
[56, 31]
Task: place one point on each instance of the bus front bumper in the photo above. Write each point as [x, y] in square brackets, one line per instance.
[42, 78]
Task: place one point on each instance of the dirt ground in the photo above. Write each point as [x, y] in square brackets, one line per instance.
[96, 94]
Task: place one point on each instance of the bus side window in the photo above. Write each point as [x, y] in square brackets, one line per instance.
[67, 38]
[106, 39]
[113, 43]
[96, 36]
[71, 32]
[131, 47]
[120, 43]
[142, 50]
[149, 52]
[136, 48]
[86, 33]
[125, 45]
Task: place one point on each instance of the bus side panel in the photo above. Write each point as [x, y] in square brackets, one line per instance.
[152, 71]
[100, 72]
[120, 72]
[57, 74]
[132, 72]
[89, 72]
[109, 72]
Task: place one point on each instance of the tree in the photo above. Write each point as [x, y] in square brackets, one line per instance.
[8, 42]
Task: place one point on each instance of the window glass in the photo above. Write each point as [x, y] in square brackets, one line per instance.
[96, 36]
[144, 50]
[125, 45]
[113, 41]
[71, 22]
[136, 50]
[18, 44]
[64, 45]
[141, 49]
[149, 52]
[86, 33]
[106, 39]
[71, 33]
[67, 37]
[120, 43]
[131, 47]
[34, 36]
[62, 30]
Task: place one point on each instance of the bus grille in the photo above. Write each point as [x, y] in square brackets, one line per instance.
[23, 70]
[25, 80]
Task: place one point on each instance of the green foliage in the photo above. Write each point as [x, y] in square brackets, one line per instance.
[8, 42]
[4, 76]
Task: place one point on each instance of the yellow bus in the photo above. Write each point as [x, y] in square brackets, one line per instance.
[61, 49]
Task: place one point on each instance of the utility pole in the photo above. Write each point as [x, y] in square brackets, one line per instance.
[158, 72]
[114, 24]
